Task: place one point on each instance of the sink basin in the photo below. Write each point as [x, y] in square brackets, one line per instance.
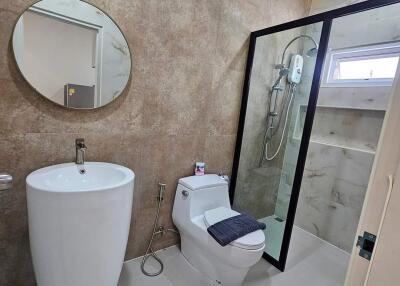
[79, 218]
[67, 177]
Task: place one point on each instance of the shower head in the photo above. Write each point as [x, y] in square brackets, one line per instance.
[312, 53]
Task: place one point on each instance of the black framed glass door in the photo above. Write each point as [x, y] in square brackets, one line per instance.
[282, 82]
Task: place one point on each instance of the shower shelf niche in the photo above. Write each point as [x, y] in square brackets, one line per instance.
[347, 128]
[355, 146]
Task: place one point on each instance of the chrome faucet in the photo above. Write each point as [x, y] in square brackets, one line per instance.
[80, 151]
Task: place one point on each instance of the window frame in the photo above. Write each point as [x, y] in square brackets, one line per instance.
[373, 51]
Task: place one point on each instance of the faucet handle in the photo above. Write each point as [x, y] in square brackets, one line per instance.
[80, 149]
[80, 143]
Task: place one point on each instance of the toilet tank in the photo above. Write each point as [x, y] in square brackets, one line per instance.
[196, 194]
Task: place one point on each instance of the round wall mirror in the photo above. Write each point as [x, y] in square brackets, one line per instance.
[72, 53]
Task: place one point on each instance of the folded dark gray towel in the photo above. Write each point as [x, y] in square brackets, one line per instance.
[230, 229]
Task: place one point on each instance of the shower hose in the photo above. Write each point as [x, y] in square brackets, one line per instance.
[292, 90]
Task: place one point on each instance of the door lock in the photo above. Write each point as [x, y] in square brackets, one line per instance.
[366, 244]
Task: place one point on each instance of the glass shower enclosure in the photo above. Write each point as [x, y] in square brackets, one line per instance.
[283, 75]
[281, 80]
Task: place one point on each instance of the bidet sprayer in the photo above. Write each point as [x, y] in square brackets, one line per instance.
[161, 191]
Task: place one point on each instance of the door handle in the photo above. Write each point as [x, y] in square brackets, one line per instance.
[6, 181]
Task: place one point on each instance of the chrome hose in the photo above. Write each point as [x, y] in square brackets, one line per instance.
[156, 230]
[149, 251]
[292, 89]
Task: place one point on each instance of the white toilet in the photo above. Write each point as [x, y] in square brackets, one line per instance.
[201, 201]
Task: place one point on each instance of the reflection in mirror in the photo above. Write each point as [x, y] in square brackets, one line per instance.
[72, 53]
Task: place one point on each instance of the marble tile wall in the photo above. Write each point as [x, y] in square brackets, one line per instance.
[365, 98]
[354, 128]
[344, 138]
[182, 105]
[258, 180]
[291, 152]
[332, 193]
[319, 6]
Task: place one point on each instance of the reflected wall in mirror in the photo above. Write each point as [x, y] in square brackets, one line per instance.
[72, 53]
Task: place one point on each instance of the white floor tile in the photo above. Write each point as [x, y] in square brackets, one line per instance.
[311, 262]
[177, 271]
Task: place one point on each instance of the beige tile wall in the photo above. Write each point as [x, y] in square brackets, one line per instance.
[182, 105]
[319, 6]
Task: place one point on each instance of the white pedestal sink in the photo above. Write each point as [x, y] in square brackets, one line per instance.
[79, 223]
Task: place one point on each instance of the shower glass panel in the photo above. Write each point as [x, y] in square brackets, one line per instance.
[347, 124]
[279, 92]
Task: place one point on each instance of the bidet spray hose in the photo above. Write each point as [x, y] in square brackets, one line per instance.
[149, 250]
[156, 230]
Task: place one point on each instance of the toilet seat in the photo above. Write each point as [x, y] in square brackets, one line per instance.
[251, 241]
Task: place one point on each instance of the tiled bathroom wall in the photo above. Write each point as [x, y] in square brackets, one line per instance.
[344, 138]
[258, 180]
[182, 105]
[299, 107]
[319, 6]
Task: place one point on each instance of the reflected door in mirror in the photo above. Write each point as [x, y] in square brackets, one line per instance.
[72, 53]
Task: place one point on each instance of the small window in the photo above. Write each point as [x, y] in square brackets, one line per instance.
[367, 65]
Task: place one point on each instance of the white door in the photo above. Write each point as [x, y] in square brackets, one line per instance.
[380, 207]
[385, 264]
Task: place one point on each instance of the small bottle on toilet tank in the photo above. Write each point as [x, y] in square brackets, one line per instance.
[199, 169]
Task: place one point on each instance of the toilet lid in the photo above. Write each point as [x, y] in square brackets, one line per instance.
[253, 240]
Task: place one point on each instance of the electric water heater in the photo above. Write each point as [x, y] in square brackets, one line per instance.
[295, 69]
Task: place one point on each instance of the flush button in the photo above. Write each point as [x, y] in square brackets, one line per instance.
[185, 194]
